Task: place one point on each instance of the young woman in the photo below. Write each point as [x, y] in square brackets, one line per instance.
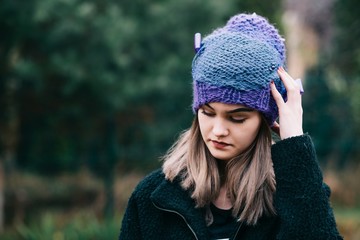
[225, 178]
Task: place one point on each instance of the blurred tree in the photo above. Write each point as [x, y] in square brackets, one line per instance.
[347, 32]
[80, 63]
[333, 110]
[344, 72]
[98, 83]
[346, 57]
[320, 95]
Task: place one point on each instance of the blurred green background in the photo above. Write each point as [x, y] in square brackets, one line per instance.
[92, 93]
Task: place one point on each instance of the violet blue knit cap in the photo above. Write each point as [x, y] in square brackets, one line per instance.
[236, 63]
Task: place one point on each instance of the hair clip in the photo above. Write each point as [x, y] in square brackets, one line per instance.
[298, 82]
[197, 42]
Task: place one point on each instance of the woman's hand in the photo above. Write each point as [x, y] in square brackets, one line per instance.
[290, 112]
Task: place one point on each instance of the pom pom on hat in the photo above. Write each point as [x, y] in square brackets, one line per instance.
[236, 63]
[258, 27]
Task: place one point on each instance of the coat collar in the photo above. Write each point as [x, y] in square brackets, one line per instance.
[170, 196]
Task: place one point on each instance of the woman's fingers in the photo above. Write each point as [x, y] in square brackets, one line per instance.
[290, 112]
[276, 95]
[286, 79]
[292, 88]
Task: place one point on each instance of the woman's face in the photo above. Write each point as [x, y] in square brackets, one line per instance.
[228, 129]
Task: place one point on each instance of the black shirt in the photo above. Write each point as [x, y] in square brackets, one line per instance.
[224, 224]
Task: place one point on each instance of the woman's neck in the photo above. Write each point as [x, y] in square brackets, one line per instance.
[222, 201]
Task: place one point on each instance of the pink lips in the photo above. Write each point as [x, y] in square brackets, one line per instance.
[219, 145]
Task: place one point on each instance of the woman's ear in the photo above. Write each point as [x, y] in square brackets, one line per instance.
[276, 128]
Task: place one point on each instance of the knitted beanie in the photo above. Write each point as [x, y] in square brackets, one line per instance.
[236, 63]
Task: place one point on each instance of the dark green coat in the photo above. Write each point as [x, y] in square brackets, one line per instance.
[159, 209]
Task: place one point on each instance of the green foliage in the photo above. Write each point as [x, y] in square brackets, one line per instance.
[326, 113]
[348, 220]
[332, 112]
[320, 93]
[84, 227]
[97, 83]
[346, 45]
[346, 57]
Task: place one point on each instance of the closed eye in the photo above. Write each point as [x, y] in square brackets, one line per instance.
[237, 119]
[206, 113]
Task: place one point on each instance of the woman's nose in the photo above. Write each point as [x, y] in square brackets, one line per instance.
[219, 128]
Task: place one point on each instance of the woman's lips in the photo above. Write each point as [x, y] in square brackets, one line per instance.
[219, 145]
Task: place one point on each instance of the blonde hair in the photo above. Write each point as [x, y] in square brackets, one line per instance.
[249, 177]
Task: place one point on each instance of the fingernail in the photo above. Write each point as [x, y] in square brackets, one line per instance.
[298, 82]
[197, 42]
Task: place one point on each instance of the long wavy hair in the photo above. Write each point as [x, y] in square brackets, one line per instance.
[249, 177]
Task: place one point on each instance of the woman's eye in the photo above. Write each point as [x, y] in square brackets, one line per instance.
[209, 114]
[237, 119]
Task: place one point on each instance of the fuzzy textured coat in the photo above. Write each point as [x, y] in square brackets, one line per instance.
[159, 209]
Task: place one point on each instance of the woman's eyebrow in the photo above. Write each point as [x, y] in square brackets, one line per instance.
[242, 109]
[208, 105]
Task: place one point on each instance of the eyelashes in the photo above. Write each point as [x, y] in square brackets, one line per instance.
[207, 113]
[238, 120]
[234, 119]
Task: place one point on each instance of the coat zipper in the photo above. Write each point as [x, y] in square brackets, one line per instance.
[237, 231]
[172, 211]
